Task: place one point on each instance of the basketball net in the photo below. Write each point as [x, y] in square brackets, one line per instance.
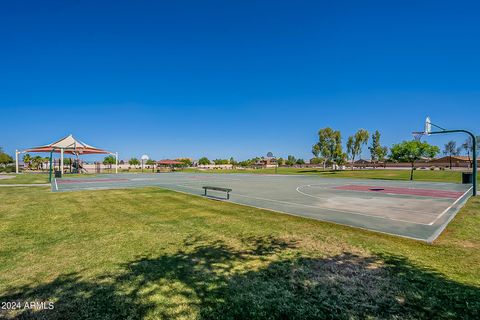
[418, 135]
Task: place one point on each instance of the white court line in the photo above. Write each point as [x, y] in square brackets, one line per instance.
[165, 186]
[56, 185]
[305, 217]
[446, 210]
[397, 209]
[420, 212]
[316, 207]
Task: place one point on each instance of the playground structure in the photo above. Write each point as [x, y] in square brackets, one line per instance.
[70, 165]
[66, 145]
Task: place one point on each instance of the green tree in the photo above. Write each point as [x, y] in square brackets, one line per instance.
[382, 155]
[290, 160]
[330, 146]
[340, 159]
[151, 162]
[300, 161]
[317, 160]
[356, 142]
[377, 152]
[5, 158]
[27, 159]
[109, 160]
[316, 150]
[220, 161]
[468, 147]
[133, 162]
[186, 162]
[37, 162]
[280, 161]
[450, 149]
[412, 151]
[203, 161]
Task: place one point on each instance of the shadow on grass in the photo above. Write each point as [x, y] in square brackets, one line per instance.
[321, 172]
[214, 281]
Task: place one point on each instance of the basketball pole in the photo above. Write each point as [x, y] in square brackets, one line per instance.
[50, 171]
[474, 139]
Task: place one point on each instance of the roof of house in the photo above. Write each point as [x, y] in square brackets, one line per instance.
[454, 158]
[169, 162]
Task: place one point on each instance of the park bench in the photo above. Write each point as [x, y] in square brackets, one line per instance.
[227, 190]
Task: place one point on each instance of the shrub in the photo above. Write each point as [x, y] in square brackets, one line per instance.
[7, 169]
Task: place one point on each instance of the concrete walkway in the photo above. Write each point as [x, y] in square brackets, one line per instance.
[26, 185]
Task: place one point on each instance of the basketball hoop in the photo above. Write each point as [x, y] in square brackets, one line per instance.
[418, 135]
[428, 131]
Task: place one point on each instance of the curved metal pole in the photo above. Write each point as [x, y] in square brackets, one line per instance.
[474, 139]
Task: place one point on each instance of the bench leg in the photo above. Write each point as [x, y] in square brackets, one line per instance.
[205, 192]
[228, 195]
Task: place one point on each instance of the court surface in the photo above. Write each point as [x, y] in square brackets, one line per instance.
[418, 210]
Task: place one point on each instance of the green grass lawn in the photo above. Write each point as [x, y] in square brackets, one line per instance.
[390, 174]
[419, 175]
[26, 178]
[156, 254]
[37, 178]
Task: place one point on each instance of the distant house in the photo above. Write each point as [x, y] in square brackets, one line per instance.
[362, 162]
[457, 162]
[268, 162]
[168, 162]
[215, 166]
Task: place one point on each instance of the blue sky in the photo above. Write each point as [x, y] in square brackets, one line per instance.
[234, 78]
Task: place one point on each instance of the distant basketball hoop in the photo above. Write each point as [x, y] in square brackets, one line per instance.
[144, 159]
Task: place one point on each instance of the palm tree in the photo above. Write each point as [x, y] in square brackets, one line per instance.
[37, 162]
[27, 159]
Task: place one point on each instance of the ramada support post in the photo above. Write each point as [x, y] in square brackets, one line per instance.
[16, 161]
[116, 162]
[61, 162]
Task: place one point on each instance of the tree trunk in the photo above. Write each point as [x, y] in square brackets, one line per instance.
[353, 160]
[411, 172]
[450, 158]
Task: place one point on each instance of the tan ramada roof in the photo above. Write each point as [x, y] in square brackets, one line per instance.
[69, 145]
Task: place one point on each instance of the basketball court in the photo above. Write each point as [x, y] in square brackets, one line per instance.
[417, 210]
